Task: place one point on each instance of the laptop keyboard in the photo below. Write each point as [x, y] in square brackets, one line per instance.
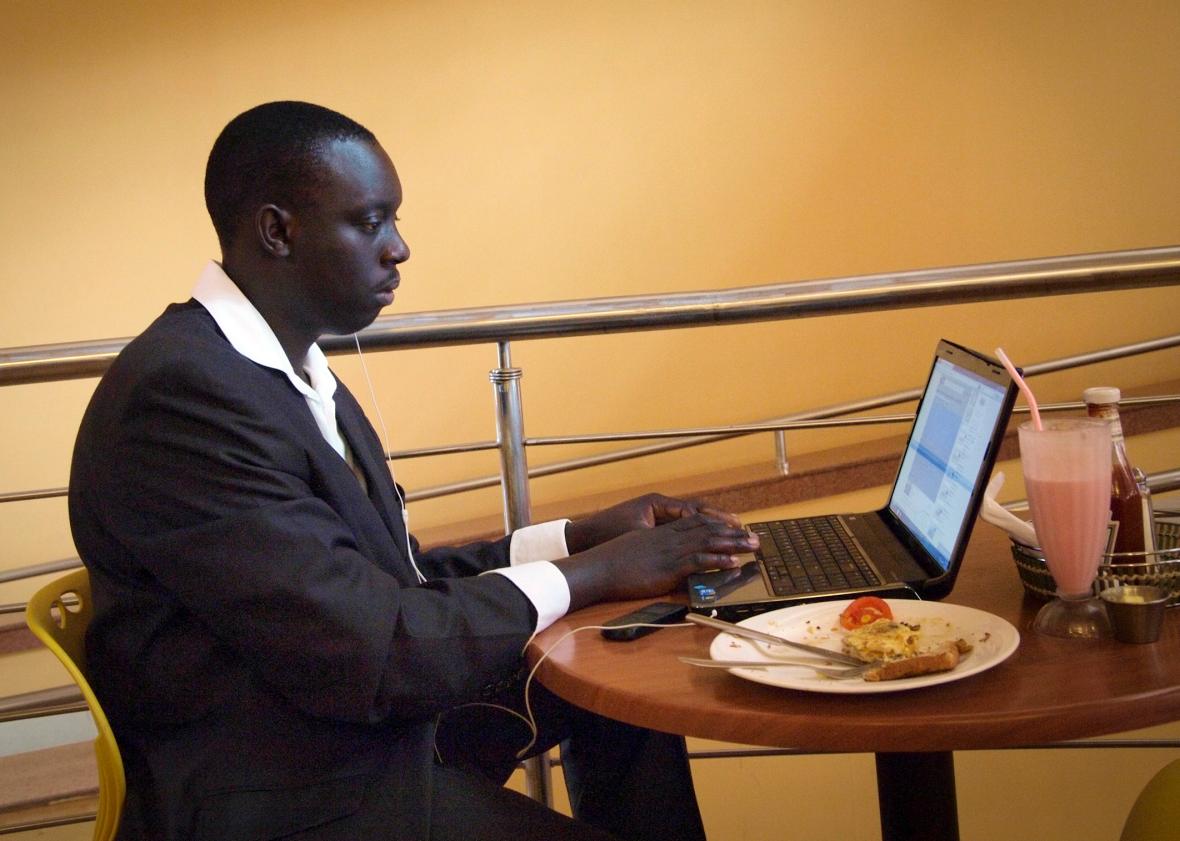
[809, 555]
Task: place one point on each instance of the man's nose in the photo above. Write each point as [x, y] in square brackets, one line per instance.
[396, 251]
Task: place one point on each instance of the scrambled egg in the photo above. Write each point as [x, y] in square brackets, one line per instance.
[882, 640]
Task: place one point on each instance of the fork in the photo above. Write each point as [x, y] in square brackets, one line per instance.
[760, 636]
[839, 673]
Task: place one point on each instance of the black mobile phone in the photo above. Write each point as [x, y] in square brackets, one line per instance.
[658, 613]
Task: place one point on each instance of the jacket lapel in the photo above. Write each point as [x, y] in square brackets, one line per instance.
[370, 459]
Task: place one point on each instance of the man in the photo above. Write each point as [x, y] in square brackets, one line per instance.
[277, 658]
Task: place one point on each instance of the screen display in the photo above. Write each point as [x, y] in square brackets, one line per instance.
[941, 465]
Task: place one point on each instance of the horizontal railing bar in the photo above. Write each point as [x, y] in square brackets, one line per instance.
[744, 429]
[1164, 481]
[569, 465]
[1095, 356]
[1167, 483]
[44, 711]
[446, 449]
[787, 422]
[1168, 480]
[40, 569]
[48, 823]
[733, 430]
[718, 432]
[697, 436]
[1049, 366]
[1074, 274]
[615, 456]
[1161, 482]
[25, 496]
[59, 699]
[651, 449]
[694, 437]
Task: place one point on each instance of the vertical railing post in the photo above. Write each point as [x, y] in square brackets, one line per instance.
[780, 452]
[514, 483]
[514, 469]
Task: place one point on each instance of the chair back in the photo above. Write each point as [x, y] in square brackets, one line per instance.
[1156, 813]
[58, 614]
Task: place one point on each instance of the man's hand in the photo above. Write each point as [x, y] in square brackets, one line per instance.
[652, 561]
[643, 512]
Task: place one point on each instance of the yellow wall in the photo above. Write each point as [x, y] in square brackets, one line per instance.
[552, 151]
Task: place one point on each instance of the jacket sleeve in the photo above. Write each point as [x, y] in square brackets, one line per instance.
[462, 561]
[199, 499]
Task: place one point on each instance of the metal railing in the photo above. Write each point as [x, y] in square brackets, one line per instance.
[1101, 272]
[966, 284]
[1087, 273]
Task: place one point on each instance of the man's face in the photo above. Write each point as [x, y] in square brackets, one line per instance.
[345, 245]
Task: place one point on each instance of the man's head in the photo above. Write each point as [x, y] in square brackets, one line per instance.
[271, 153]
[305, 203]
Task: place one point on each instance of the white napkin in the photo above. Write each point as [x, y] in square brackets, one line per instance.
[998, 515]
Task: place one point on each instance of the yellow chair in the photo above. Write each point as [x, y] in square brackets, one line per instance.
[60, 622]
[1156, 813]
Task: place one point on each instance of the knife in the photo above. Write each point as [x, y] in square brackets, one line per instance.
[751, 634]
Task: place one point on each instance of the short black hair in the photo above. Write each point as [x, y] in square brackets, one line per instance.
[270, 153]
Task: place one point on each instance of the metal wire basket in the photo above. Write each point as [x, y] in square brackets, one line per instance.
[1160, 568]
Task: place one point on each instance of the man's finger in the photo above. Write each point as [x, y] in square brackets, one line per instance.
[686, 523]
[718, 514]
[704, 561]
[665, 509]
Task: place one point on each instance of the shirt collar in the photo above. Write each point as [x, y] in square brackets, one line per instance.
[251, 336]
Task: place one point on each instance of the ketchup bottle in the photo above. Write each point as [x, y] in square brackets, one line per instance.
[1130, 499]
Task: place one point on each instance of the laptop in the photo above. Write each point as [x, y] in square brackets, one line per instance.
[911, 548]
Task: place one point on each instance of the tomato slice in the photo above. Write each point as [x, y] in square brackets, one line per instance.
[864, 611]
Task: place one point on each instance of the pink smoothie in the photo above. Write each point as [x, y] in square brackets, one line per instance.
[1067, 475]
[1064, 513]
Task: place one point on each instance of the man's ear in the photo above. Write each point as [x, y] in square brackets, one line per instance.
[273, 227]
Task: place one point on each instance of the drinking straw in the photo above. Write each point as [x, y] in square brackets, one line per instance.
[1023, 386]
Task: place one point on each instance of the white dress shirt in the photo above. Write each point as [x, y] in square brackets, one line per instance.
[531, 548]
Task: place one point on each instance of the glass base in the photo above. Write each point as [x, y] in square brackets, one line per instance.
[1074, 617]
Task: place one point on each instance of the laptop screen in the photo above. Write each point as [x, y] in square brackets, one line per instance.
[940, 469]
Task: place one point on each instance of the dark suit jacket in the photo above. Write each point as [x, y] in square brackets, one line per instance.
[260, 643]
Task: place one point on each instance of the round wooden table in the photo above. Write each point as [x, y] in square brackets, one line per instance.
[1050, 690]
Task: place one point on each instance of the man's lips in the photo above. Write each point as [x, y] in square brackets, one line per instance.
[385, 293]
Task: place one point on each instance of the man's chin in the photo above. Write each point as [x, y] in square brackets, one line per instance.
[354, 327]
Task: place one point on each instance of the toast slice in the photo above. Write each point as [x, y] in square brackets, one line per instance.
[942, 659]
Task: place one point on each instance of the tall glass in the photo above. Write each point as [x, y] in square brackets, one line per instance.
[1067, 475]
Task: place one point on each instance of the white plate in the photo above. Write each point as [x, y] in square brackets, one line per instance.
[992, 638]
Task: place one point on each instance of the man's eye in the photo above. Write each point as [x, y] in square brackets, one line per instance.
[371, 226]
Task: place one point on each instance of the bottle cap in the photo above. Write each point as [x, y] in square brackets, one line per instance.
[1102, 394]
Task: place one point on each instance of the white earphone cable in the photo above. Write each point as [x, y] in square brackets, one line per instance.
[528, 718]
[385, 444]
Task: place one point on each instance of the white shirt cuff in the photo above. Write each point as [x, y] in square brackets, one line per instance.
[542, 584]
[542, 542]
